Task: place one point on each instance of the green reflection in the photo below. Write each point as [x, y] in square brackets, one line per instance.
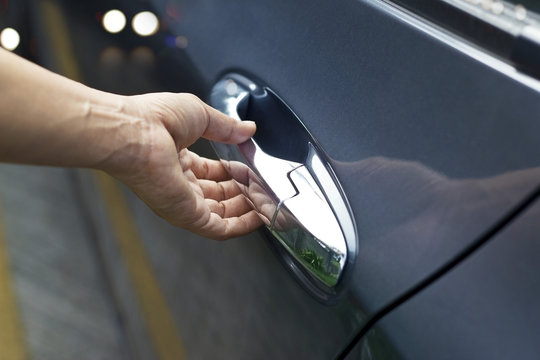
[320, 260]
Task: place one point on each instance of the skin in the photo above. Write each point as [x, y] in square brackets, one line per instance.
[46, 119]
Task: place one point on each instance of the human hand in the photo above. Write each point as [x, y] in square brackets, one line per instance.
[47, 119]
[187, 190]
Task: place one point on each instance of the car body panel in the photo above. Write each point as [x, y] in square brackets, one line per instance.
[431, 144]
[410, 123]
[233, 300]
[486, 307]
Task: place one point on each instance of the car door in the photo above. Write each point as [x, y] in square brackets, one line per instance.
[430, 138]
[486, 307]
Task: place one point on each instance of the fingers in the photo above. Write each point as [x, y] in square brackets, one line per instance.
[239, 172]
[204, 168]
[229, 208]
[187, 118]
[219, 191]
[218, 228]
[203, 199]
[230, 218]
[225, 129]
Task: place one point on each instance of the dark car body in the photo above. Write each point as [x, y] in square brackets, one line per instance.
[431, 128]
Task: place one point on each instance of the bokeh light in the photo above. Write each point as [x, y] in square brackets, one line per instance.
[143, 57]
[145, 23]
[9, 39]
[112, 56]
[181, 42]
[521, 12]
[497, 7]
[231, 87]
[114, 21]
[176, 41]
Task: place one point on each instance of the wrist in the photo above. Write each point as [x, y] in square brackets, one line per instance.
[111, 131]
[130, 138]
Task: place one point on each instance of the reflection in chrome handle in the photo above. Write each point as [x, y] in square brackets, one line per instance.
[300, 203]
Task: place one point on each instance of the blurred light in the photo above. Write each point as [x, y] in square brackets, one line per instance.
[176, 41]
[170, 41]
[172, 11]
[486, 4]
[143, 56]
[497, 8]
[114, 21]
[521, 12]
[145, 23]
[9, 39]
[181, 42]
[111, 57]
[231, 87]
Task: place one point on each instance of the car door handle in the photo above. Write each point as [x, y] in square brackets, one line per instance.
[282, 173]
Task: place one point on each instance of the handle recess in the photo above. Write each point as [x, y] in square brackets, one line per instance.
[283, 175]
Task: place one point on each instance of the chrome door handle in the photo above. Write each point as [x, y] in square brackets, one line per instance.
[293, 190]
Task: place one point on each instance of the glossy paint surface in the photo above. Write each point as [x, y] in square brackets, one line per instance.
[487, 305]
[431, 145]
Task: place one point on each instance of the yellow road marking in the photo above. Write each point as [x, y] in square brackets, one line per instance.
[163, 331]
[160, 325]
[58, 36]
[12, 345]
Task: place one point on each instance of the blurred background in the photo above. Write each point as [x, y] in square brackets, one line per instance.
[67, 291]
[120, 46]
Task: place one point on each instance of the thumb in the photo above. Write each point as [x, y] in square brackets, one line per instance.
[225, 129]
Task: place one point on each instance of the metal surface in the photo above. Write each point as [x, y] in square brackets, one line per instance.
[289, 196]
[495, 26]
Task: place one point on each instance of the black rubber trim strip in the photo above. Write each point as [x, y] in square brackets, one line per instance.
[482, 239]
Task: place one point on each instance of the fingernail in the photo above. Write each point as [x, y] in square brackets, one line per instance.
[251, 127]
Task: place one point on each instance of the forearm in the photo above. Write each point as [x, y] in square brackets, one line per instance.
[47, 119]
